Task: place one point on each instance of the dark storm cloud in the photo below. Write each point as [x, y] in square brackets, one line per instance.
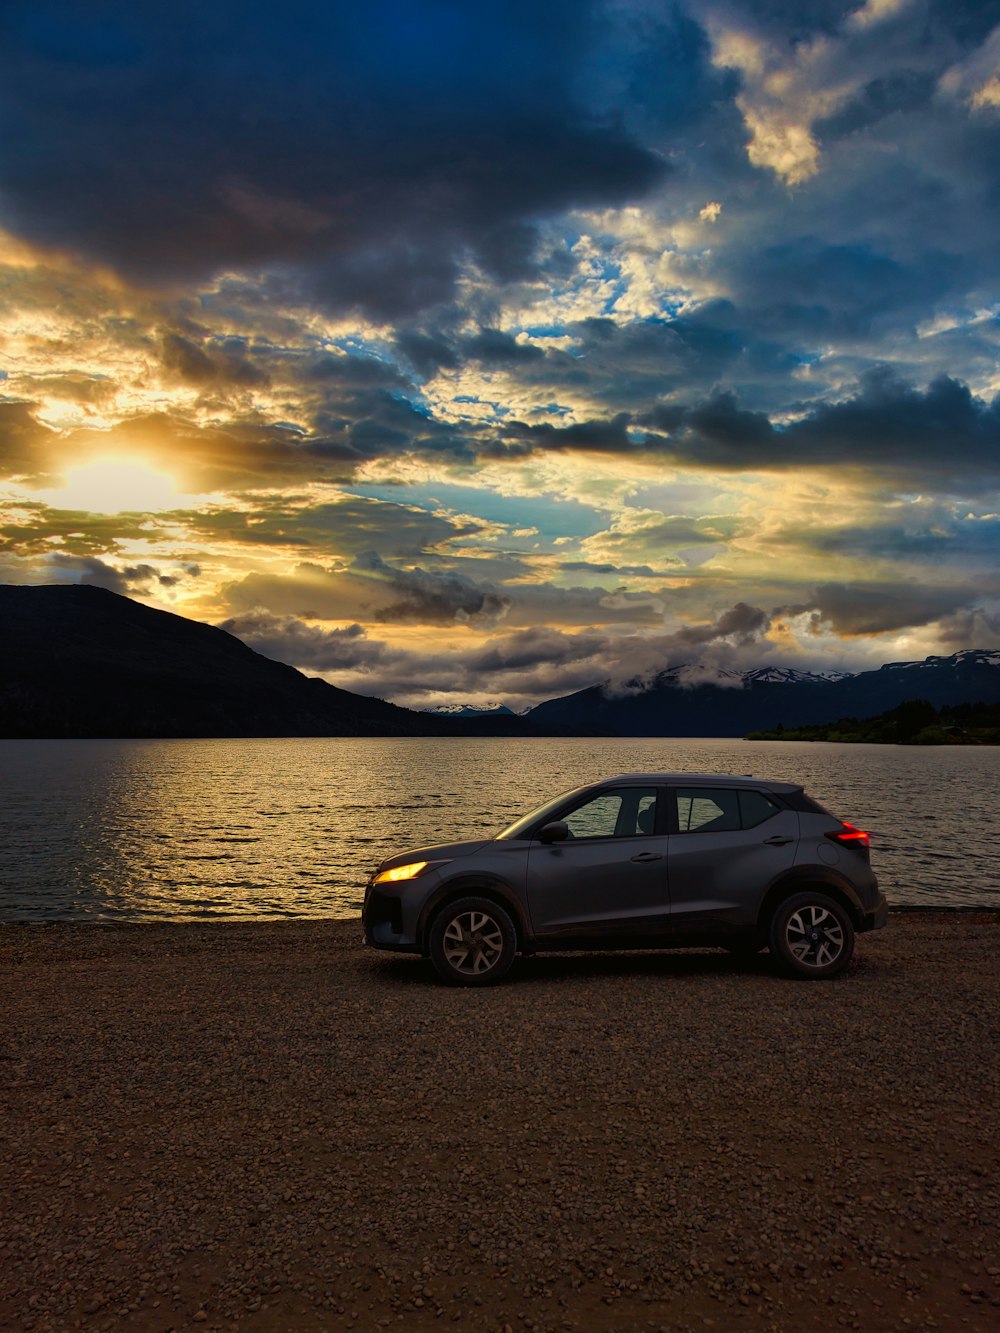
[494, 348]
[604, 437]
[537, 660]
[433, 597]
[704, 651]
[367, 145]
[889, 427]
[878, 608]
[538, 646]
[811, 288]
[973, 625]
[288, 639]
[969, 21]
[129, 580]
[215, 360]
[426, 353]
[945, 431]
[741, 623]
[901, 90]
[525, 666]
[931, 534]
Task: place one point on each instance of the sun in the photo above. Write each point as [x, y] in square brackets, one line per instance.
[115, 486]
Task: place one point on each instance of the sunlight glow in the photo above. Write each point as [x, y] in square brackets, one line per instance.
[115, 486]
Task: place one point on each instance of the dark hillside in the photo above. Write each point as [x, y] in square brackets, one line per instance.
[80, 661]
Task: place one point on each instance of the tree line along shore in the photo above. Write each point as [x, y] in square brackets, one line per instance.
[916, 722]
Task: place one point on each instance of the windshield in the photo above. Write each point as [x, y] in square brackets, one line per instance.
[517, 829]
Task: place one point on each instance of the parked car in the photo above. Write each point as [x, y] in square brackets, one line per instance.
[638, 861]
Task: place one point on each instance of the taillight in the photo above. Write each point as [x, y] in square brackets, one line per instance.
[849, 836]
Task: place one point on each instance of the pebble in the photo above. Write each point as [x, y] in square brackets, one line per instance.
[270, 1123]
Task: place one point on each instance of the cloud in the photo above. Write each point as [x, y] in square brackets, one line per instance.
[348, 526]
[362, 149]
[289, 639]
[879, 608]
[432, 597]
[139, 580]
[975, 624]
[210, 361]
[702, 650]
[23, 443]
[888, 427]
[976, 79]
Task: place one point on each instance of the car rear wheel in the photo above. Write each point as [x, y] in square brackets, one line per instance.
[472, 942]
[812, 936]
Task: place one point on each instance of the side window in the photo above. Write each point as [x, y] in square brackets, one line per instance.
[705, 810]
[627, 813]
[755, 808]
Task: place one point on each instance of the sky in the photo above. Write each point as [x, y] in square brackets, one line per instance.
[468, 353]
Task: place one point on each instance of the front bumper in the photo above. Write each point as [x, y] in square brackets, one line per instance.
[384, 923]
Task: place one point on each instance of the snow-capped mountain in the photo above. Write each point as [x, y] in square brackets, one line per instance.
[689, 675]
[694, 700]
[772, 675]
[470, 710]
[967, 657]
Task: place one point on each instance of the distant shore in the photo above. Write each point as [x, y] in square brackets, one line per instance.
[267, 1126]
[915, 722]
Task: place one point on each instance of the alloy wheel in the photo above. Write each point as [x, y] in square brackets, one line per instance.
[814, 935]
[473, 943]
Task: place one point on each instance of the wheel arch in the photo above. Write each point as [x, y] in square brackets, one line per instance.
[801, 880]
[479, 886]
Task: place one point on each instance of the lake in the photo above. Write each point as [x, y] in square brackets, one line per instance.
[244, 829]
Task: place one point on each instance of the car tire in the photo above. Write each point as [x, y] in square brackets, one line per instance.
[472, 942]
[812, 936]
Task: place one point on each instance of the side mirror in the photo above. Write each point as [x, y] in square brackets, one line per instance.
[554, 832]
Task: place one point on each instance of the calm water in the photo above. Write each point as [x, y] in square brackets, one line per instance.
[160, 830]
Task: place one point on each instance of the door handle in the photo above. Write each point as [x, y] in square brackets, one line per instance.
[777, 841]
[647, 856]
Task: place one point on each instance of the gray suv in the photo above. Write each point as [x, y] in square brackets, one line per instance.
[639, 861]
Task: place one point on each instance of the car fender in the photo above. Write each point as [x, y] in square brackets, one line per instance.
[799, 877]
[487, 886]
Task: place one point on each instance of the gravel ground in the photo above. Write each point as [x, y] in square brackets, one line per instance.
[269, 1127]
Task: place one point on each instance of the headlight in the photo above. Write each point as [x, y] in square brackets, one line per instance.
[410, 871]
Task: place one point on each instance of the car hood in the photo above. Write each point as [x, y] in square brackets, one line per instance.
[445, 851]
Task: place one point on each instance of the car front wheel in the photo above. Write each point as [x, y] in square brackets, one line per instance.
[472, 942]
[812, 936]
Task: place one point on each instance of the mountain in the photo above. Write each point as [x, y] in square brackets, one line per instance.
[80, 661]
[682, 701]
[471, 710]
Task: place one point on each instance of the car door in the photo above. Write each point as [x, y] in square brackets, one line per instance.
[726, 846]
[609, 877]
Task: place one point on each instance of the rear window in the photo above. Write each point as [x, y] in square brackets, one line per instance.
[701, 810]
[721, 809]
[755, 807]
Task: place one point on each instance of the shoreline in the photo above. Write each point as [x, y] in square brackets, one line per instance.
[266, 1126]
[114, 922]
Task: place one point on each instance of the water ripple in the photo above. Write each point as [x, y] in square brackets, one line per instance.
[249, 829]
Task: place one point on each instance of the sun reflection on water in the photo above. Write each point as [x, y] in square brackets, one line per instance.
[244, 829]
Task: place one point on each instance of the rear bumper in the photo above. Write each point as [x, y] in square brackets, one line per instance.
[877, 918]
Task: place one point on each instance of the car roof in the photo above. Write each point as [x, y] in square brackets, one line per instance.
[698, 780]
